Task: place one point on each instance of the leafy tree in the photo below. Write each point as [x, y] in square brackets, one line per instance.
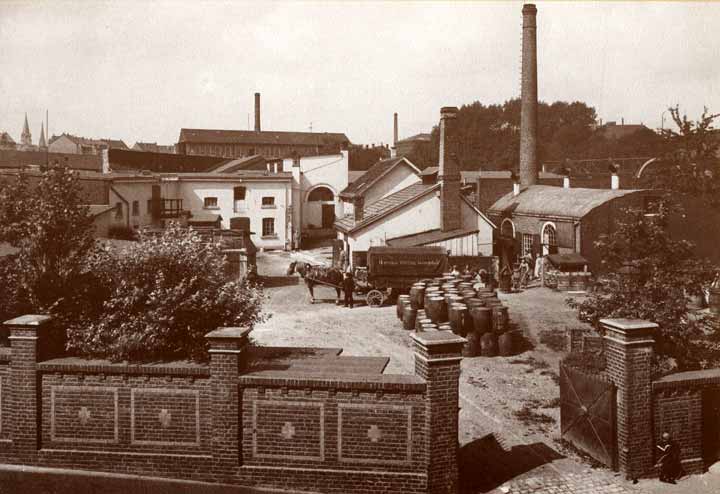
[648, 275]
[694, 167]
[157, 298]
[45, 220]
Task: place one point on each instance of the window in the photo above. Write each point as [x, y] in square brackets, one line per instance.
[549, 235]
[507, 228]
[239, 193]
[268, 227]
[527, 243]
[118, 210]
[210, 203]
[136, 208]
[268, 202]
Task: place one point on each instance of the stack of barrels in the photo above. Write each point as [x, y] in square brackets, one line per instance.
[451, 303]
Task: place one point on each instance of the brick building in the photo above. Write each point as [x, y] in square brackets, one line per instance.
[70, 144]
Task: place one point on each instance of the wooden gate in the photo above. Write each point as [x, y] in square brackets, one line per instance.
[587, 414]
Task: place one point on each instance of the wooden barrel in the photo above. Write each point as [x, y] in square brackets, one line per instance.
[409, 315]
[417, 296]
[714, 300]
[400, 305]
[505, 344]
[499, 319]
[420, 322]
[436, 309]
[488, 345]
[429, 327]
[474, 302]
[444, 327]
[472, 347]
[468, 325]
[481, 317]
[430, 292]
[457, 314]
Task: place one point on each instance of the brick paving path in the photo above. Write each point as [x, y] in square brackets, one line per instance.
[548, 482]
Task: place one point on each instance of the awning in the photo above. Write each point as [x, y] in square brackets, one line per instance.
[568, 261]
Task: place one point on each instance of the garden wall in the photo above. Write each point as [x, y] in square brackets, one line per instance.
[326, 424]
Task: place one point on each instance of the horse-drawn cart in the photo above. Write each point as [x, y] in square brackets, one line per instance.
[392, 270]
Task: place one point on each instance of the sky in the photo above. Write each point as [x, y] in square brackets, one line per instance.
[140, 71]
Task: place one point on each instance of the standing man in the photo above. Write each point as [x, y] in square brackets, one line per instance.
[348, 288]
[669, 461]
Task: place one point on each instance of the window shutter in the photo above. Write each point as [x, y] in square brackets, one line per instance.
[565, 235]
[537, 246]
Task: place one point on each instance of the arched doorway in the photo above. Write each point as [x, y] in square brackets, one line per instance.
[549, 239]
[321, 207]
[507, 242]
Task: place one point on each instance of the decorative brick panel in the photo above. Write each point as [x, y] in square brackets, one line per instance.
[374, 434]
[84, 414]
[289, 430]
[165, 417]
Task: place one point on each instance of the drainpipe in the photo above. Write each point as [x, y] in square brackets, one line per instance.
[127, 205]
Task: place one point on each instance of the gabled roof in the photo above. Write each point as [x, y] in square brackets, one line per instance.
[417, 137]
[110, 143]
[373, 175]
[546, 200]
[428, 237]
[354, 175]
[385, 206]
[5, 138]
[264, 137]
[255, 162]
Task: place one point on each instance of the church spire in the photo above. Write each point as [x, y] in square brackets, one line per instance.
[41, 142]
[26, 137]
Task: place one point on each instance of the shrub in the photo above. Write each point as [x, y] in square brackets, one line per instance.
[122, 232]
[156, 299]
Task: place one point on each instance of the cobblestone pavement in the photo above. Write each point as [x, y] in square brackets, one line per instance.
[546, 481]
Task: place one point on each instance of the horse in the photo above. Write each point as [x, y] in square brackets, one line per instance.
[314, 275]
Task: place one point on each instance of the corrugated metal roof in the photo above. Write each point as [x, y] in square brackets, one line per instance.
[378, 209]
[546, 200]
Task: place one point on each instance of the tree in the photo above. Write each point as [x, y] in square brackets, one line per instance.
[157, 298]
[693, 164]
[647, 275]
[45, 220]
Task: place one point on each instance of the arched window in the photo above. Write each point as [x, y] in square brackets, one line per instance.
[549, 239]
[321, 194]
[507, 228]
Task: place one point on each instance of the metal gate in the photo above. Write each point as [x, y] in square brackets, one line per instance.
[587, 414]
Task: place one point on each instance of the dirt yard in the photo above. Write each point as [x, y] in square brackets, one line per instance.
[510, 415]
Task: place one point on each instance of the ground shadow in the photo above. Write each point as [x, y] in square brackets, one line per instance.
[485, 464]
[278, 281]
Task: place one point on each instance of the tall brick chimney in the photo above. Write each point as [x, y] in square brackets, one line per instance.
[257, 112]
[395, 130]
[449, 173]
[529, 99]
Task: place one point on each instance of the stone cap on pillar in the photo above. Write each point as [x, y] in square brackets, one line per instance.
[438, 346]
[230, 340]
[629, 331]
[31, 320]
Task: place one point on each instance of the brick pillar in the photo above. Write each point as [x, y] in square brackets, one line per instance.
[227, 357]
[629, 354]
[437, 360]
[24, 405]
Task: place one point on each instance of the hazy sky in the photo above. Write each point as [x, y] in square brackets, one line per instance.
[141, 71]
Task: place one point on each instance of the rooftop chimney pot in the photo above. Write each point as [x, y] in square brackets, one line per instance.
[395, 129]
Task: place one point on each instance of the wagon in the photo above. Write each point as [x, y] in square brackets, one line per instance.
[392, 270]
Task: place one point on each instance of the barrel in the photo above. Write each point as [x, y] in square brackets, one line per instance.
[429, 327]
[419, 323]
[430, 292]
[714, 300]
[505, 344]
[409, 315]
[456, 315]
[474, 302]
[417, 295]
[472, 347]
[436, 309]
[481, 319]
[444, 327]
[488, 345]
[400, 305]
[468, 325]
[499, 319]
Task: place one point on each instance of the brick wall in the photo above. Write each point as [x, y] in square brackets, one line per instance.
[222, 422]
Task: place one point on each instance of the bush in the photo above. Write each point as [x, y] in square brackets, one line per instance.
[122, 232]
[156, 300]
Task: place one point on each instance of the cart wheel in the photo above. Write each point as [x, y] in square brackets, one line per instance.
[375, 298]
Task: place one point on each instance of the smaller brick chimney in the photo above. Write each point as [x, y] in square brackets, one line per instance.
[257, 112]
[395, 129]
[449, 171]
[358, 209]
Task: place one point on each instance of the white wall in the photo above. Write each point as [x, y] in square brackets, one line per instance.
[398, 178]
[63, 145]
[471, 219]
[134, 191]
[419, 216]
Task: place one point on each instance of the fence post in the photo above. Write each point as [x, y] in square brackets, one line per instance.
[629, 356]
[437, 360]
[228, 348]
[23, 404]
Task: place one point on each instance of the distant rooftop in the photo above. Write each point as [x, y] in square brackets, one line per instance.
[212, 136]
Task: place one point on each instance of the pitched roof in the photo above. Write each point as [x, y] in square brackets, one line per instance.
[153, 147]
[384, 206]
[5, 138]
[254, 162]
[428, 237]
[472, 175]
[373, 174]
[417, 137]
[263, 137]
[546, 200]
[110, 143]
[354, 175]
